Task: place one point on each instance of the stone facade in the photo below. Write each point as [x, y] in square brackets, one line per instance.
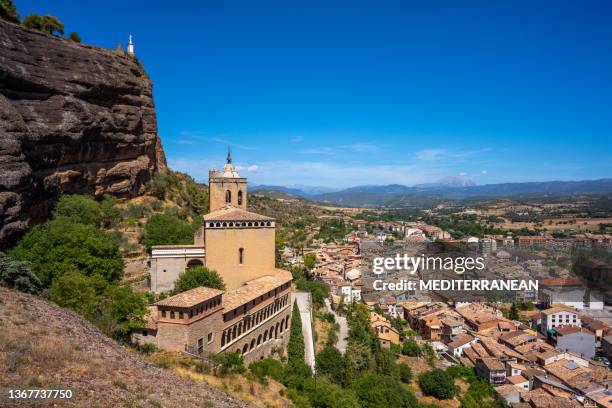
[253, 315]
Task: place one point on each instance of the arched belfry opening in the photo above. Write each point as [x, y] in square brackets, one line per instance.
[240, 197]
[228, 197]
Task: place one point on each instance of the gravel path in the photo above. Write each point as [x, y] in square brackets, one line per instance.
[343, 335]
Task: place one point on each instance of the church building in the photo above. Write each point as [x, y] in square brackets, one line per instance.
[253, 314]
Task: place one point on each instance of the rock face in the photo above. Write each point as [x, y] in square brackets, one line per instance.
[73, 119]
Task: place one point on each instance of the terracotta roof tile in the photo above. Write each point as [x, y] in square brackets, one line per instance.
[235, 214]
[190, 297]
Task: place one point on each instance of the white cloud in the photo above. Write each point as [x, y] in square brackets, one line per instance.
[362, 147]
[253, 168]
[431, 155]
[463, 173]
[319, 150]
[484, 172]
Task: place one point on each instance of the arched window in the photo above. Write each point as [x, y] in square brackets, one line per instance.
[194, 262]
[240, 197]
[240, 255]
[228, 197]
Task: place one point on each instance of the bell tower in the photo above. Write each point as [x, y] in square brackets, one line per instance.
[226, 187]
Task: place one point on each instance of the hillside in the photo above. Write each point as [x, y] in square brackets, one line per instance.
[44, 346]
[73, 119]
[396, 195]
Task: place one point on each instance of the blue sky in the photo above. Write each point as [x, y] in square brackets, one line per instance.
[347, 93]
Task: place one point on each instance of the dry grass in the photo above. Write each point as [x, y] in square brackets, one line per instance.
[44, 346]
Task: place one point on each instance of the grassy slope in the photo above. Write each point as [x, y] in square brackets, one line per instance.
[44, 346]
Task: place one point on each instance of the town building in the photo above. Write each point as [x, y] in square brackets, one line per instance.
[558, 316]
[383, 329]
[252, 316]
[574, 339]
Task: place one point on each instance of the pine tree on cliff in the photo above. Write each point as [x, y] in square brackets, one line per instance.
[8, 11]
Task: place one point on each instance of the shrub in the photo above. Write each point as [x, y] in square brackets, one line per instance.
[74, 37]
[229, 362]
[47, 24]
[17, 275]
[376, 391]
[8, 11]
[198, 276]
[437, 383]
[405, 372]
[330, 362]
[79, 208]
[410, 348]
[267, 368]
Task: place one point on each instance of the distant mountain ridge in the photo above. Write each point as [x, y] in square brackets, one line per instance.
[400, 195]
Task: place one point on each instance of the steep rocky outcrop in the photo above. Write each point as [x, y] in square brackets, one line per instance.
[73, 119]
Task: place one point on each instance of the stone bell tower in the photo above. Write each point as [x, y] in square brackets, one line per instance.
[227, 188]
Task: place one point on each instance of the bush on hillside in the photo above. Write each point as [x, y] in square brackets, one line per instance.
[8, 11]
[17, 275]
[410, 348]
[47, 24]
[79, 208]
[438, 383]
[377, 391]
[62, 245]
[267, 368]
[330, 363]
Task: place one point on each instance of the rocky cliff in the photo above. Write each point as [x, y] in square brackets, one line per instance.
[73, 119]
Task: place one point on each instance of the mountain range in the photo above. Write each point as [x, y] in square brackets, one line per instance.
[400, 195]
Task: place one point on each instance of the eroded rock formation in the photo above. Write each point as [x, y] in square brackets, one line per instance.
[73, 119]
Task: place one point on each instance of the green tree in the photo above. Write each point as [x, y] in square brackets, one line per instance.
[47, 24]
[198, 276]
[73, 36]
[62, 245]
[377, 391]
[323, 393]
[410, 348]
[77, 292]
[295, 347]
[405, 372]
[330, 363]
[267, 367]
[79, 208]
[123, 310]
[17, 275]
[162, 229]
[430, 354]
[438, 383]
[8, 11]
[310, 260]
[513, 314]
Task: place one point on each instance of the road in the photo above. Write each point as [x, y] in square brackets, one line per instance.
[343, 334]
[304, 304]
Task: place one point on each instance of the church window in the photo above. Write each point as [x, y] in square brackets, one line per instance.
[210, 337]
[240, 197]
[172, 314]
[228, 197]
[163, 313]
[241, 255]
[181, 315]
